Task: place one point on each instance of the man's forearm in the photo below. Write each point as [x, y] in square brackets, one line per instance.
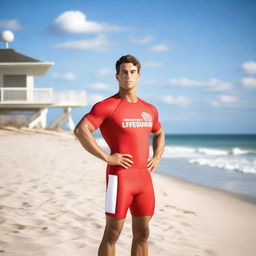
[89, 143]
[158, 145]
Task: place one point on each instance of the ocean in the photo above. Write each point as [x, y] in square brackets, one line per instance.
[223, 161]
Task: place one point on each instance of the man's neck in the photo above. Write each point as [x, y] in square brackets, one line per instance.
[129, 95]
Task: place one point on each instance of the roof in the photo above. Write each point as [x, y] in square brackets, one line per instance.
[10, 55]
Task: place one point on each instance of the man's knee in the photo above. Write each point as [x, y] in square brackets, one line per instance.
[141, 235]
[112, 235]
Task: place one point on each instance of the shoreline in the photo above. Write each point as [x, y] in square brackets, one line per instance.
[242, 197]
[242, 184]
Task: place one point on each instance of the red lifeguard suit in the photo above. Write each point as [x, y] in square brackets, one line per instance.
[126, 127]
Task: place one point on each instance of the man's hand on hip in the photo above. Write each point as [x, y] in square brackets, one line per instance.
[120, 159]
[153, 163]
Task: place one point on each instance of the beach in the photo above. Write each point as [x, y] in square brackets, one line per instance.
[52, 195]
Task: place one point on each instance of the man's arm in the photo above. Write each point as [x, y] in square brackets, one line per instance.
[83, 131]
[158, 149]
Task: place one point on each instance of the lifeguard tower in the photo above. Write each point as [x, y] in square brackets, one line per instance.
[17, 91]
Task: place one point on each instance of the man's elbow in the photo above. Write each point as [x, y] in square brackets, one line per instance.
[76, 131]
[81, 128]
[159, 132]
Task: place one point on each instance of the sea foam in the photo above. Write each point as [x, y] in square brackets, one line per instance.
[234, 159]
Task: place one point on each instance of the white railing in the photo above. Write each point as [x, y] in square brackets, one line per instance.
[42, 95]
[67, 98]
[24, 95]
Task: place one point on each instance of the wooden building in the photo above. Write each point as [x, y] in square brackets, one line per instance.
[18, 93]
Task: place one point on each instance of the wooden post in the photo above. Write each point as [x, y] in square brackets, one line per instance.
[39, 118]
[65, 116]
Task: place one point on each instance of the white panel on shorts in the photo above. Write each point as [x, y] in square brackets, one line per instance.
[111, 194]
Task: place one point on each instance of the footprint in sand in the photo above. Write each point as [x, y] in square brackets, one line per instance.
[178, 216]
[210, 252]
[97, 226]
[47, 191]
[178, 232]
[2, 221]
[179, 209]
[185, 224]
[19, 226]
[170, 228]
[26, 204]
[5, 195]
[33, 180]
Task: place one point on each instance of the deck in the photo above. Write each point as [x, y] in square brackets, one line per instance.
[38, 101]
[24, 98]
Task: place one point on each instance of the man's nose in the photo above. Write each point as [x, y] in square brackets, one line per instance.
[128, 74]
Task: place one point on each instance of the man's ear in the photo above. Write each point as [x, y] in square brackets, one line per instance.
[116, 76]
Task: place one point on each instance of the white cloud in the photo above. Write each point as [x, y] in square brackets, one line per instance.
[75, 22]
[153, 64]
[179, 100]
[142, 40]
[249, 67]
[10, 24]
[99, 43]
[227, 98]
[217, 85]
[223, 100]
[212, 84]
[183, 82]
[159, 48]
[215, 103]
[102, 72]
[69, 76]
[99, 86]
[94, 98]
[248, 82]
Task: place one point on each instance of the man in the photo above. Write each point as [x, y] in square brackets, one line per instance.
[125, 122]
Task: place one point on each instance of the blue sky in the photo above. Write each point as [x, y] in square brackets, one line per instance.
[198, 57]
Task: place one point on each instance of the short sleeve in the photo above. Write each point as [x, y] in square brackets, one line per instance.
[156, 124]
[97, 115]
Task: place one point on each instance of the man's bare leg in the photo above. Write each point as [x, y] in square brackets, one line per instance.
[140, 230]
[112, 231]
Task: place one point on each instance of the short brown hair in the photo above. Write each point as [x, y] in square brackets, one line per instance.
[127, 59]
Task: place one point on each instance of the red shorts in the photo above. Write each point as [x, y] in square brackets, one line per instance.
[129, 188]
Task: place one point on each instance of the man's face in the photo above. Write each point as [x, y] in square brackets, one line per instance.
[128, 76]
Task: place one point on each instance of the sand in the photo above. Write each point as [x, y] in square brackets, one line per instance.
[52, 196]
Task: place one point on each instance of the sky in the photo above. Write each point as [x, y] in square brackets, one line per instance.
[198, 57]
